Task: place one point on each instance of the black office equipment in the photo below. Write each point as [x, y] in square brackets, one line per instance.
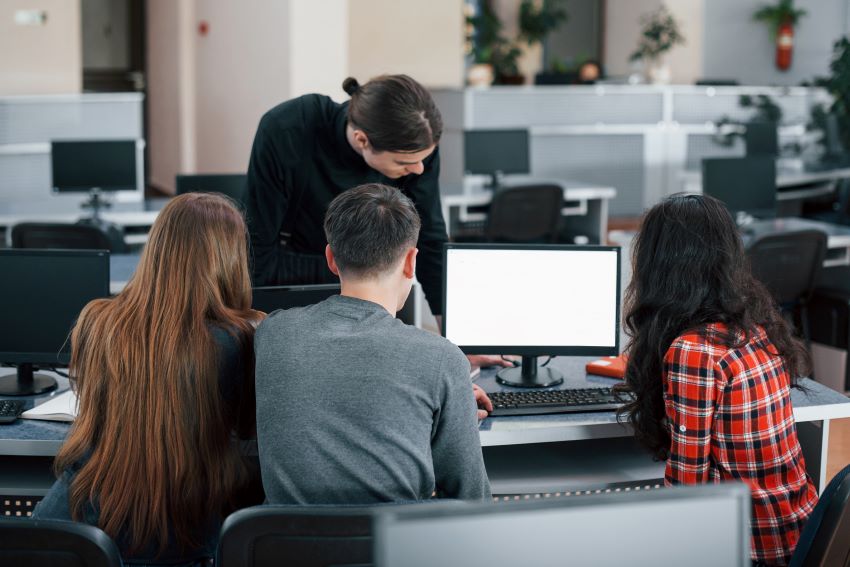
[557, 401]
[746, 185]
[496, 153]
[532, 300]
[65, 236]
[265, 536]
[823, 541]
[10, 410]
[26, 542]
[788, 264]
[41, 295]
[230, 184]
[525, 214]
[271, 298]
[761, 139]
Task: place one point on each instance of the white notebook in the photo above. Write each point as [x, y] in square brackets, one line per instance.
[57, 408]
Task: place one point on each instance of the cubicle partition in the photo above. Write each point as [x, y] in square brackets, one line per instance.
[29, 123]
[637, 139]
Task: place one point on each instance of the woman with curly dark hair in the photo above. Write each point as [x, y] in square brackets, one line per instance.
[711, 362]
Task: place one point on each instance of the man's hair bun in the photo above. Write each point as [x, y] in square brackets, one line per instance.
[350, 85]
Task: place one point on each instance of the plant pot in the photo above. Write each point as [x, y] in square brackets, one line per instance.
[658, 71]
[510, 80]
[480, 75]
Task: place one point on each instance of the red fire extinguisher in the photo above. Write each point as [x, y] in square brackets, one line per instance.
[784, 46]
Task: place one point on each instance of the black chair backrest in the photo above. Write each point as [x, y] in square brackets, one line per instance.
[230, 184]
[529, 213]
[59, 235]
[788, 263]
[289, 535]
[825, 539]
[26, 542]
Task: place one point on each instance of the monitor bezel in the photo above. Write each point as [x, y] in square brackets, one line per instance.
[111, 189]
[485, 131]
[535, 350]
[49, 358]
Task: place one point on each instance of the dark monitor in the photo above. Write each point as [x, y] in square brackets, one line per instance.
[746, 185]
[761, 139]
[229, 184]
[41, 295]
[532, 300]
[707, 524]
[271, 298]
[80, 166]
[496, 152]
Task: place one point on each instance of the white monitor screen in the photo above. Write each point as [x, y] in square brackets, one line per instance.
[538, 299]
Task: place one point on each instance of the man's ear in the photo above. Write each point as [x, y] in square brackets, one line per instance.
[409, 267]
[329, 256]
[361, 139]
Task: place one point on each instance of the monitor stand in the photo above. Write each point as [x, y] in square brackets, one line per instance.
[25, 383]
[529, 376]
[113, 232]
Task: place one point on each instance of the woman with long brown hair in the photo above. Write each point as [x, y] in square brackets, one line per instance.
[164, 376]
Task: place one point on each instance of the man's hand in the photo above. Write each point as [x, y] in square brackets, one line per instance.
[485, 406]
[484, 360]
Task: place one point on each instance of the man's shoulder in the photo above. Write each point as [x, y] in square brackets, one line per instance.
[300, 113]
[431, 345]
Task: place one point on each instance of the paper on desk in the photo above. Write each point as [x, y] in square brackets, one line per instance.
[58, 408]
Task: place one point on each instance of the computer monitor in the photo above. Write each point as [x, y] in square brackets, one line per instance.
[496, 152]
[229, 184]
[41, 295]
[83, 165]
[532, 300]
[761, 139]
[709, 525]
[272, 298]
[746, 185]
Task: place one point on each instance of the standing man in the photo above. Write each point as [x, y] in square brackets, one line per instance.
[310, 149]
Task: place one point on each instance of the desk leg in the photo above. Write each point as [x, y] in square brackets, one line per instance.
[814, 440]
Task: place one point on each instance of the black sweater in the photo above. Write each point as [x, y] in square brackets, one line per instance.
[301, 154]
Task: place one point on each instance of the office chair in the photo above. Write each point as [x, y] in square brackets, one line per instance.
[525, 214]
[824, 540]
[788, 264]
[64, 236]
[25, 542]
[230, 184]
[317, 536]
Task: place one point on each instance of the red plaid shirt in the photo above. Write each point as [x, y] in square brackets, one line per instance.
[730, 418]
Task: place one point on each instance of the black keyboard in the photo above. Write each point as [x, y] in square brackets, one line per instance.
[530, 402]
[10, 410]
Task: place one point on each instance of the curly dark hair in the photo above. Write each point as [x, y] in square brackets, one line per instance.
[689, 271]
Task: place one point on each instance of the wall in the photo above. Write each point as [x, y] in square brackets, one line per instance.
[423, 40]
[41, 59]
[738, 48]
[171, 91]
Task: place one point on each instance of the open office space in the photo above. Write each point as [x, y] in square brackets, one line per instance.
[391, 282]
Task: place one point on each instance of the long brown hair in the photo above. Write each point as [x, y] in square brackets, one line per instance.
[153, 435]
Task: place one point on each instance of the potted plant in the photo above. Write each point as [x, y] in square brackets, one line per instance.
[781, 18]
[538, 19]
[491, 48]
[660, 33]
[838, 85]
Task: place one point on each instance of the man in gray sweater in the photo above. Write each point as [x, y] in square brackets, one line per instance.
[354, 406]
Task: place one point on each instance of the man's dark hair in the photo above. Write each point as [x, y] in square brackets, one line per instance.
[370, 227]
[396, 113]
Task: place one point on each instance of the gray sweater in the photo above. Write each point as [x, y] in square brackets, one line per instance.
[355, 407]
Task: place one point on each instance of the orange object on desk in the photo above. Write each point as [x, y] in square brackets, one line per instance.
[610, 366]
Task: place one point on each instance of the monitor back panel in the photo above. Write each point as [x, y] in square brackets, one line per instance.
[271, 298]
[744, 184]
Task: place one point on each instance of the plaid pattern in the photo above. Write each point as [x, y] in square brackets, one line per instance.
[730, 418]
